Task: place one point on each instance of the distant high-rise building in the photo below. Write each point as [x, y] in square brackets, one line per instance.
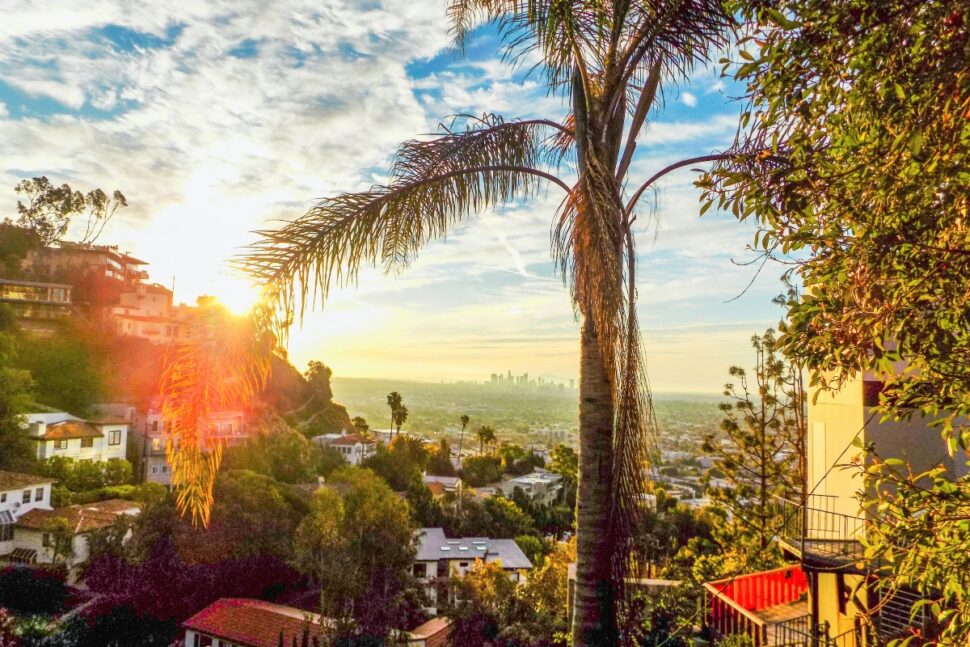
[572, 384]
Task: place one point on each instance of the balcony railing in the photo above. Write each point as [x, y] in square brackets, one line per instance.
[816, 531]
[762, 605]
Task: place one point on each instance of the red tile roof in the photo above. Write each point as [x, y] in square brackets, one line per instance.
[351, 439]
[81, 518]
[253, 623]
[18, 481]
[69, 429]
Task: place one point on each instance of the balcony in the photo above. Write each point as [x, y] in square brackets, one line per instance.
[819, 535]
[771, 606]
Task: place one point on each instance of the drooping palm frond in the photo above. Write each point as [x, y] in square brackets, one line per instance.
[222, 366]
[433, 184]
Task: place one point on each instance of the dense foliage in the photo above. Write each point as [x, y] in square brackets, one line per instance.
[856, 163]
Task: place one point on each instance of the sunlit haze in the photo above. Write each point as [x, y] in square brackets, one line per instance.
[219, 118]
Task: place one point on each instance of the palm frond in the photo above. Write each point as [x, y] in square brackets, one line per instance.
[222, 366]
[434, 183]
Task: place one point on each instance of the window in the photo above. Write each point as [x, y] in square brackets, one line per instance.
[156, 444]
[60, 444]
[114, 437]
[3, 497]
[154, 469]
[39, 494]
[46, 540]
[154, 425]
[87, 443]
[420, 570]
[26, 497]
[164, 469]
[6, 532]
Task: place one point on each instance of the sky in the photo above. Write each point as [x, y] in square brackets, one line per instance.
[219, 117]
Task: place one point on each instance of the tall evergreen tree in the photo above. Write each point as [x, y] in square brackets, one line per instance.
[764, 426]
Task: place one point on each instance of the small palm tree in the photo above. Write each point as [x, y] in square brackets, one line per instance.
[360, 426]
[394, 402]
[464, 423]
[608, 61]
[400, 417]
[486, 436]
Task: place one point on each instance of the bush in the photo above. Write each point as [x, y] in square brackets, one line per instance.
[477, 471]
[33, 591]
[79, 476]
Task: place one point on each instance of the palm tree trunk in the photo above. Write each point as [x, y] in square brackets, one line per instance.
[593, 608]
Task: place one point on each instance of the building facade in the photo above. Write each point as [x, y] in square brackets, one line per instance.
[354, 448]
[19, 494]
[40, 308]
[439, 559]
[227, 428]
[61, 434]
[839, 602]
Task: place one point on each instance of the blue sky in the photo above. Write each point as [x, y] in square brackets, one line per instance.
[219, 117]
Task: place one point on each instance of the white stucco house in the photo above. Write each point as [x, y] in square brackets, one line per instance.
[61, 434]
[19, 494]
[540, 485]
[35, 540]
[440, 558]
[354, 448]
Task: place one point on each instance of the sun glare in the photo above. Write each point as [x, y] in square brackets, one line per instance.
[236, 294]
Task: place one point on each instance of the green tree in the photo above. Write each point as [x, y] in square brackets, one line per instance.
[394, 403]
[607, 60]
[507, 519]
[67, 374]
[439, 462]
[400, 462]
[478, 471]
[564, 461]
[855, 163]
[486, 436]
[764, 424]
[360, 426]
[358, 544]
[15, 242]
[49, 209]
[15, 399]
[465, 419]
[532, 547]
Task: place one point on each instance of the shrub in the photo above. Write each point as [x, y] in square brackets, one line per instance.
[32, 591]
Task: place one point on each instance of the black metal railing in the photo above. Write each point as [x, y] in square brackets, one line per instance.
[815, 529]
[804, 634]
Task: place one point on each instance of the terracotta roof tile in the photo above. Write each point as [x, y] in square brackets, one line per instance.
[18, 481]
[69, 429]
[82, 518]
[252, 622]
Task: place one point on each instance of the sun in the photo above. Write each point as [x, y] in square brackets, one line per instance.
[237, 294]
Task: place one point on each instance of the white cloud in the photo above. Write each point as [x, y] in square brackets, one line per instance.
[689, 99]
[208, 146]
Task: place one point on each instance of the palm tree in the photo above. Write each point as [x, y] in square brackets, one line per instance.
[608, 58]
[464, 423]
[486, 436]
[395, 402]
[400, 417]
[360, 426]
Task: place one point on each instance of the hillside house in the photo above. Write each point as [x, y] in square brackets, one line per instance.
[540, 485]
[39, 308]
[61, 434]
[228, 428]
[45, 536]
[19, 494]
[439, 559]
[354, 448]
[246, 622]
[826, 597]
